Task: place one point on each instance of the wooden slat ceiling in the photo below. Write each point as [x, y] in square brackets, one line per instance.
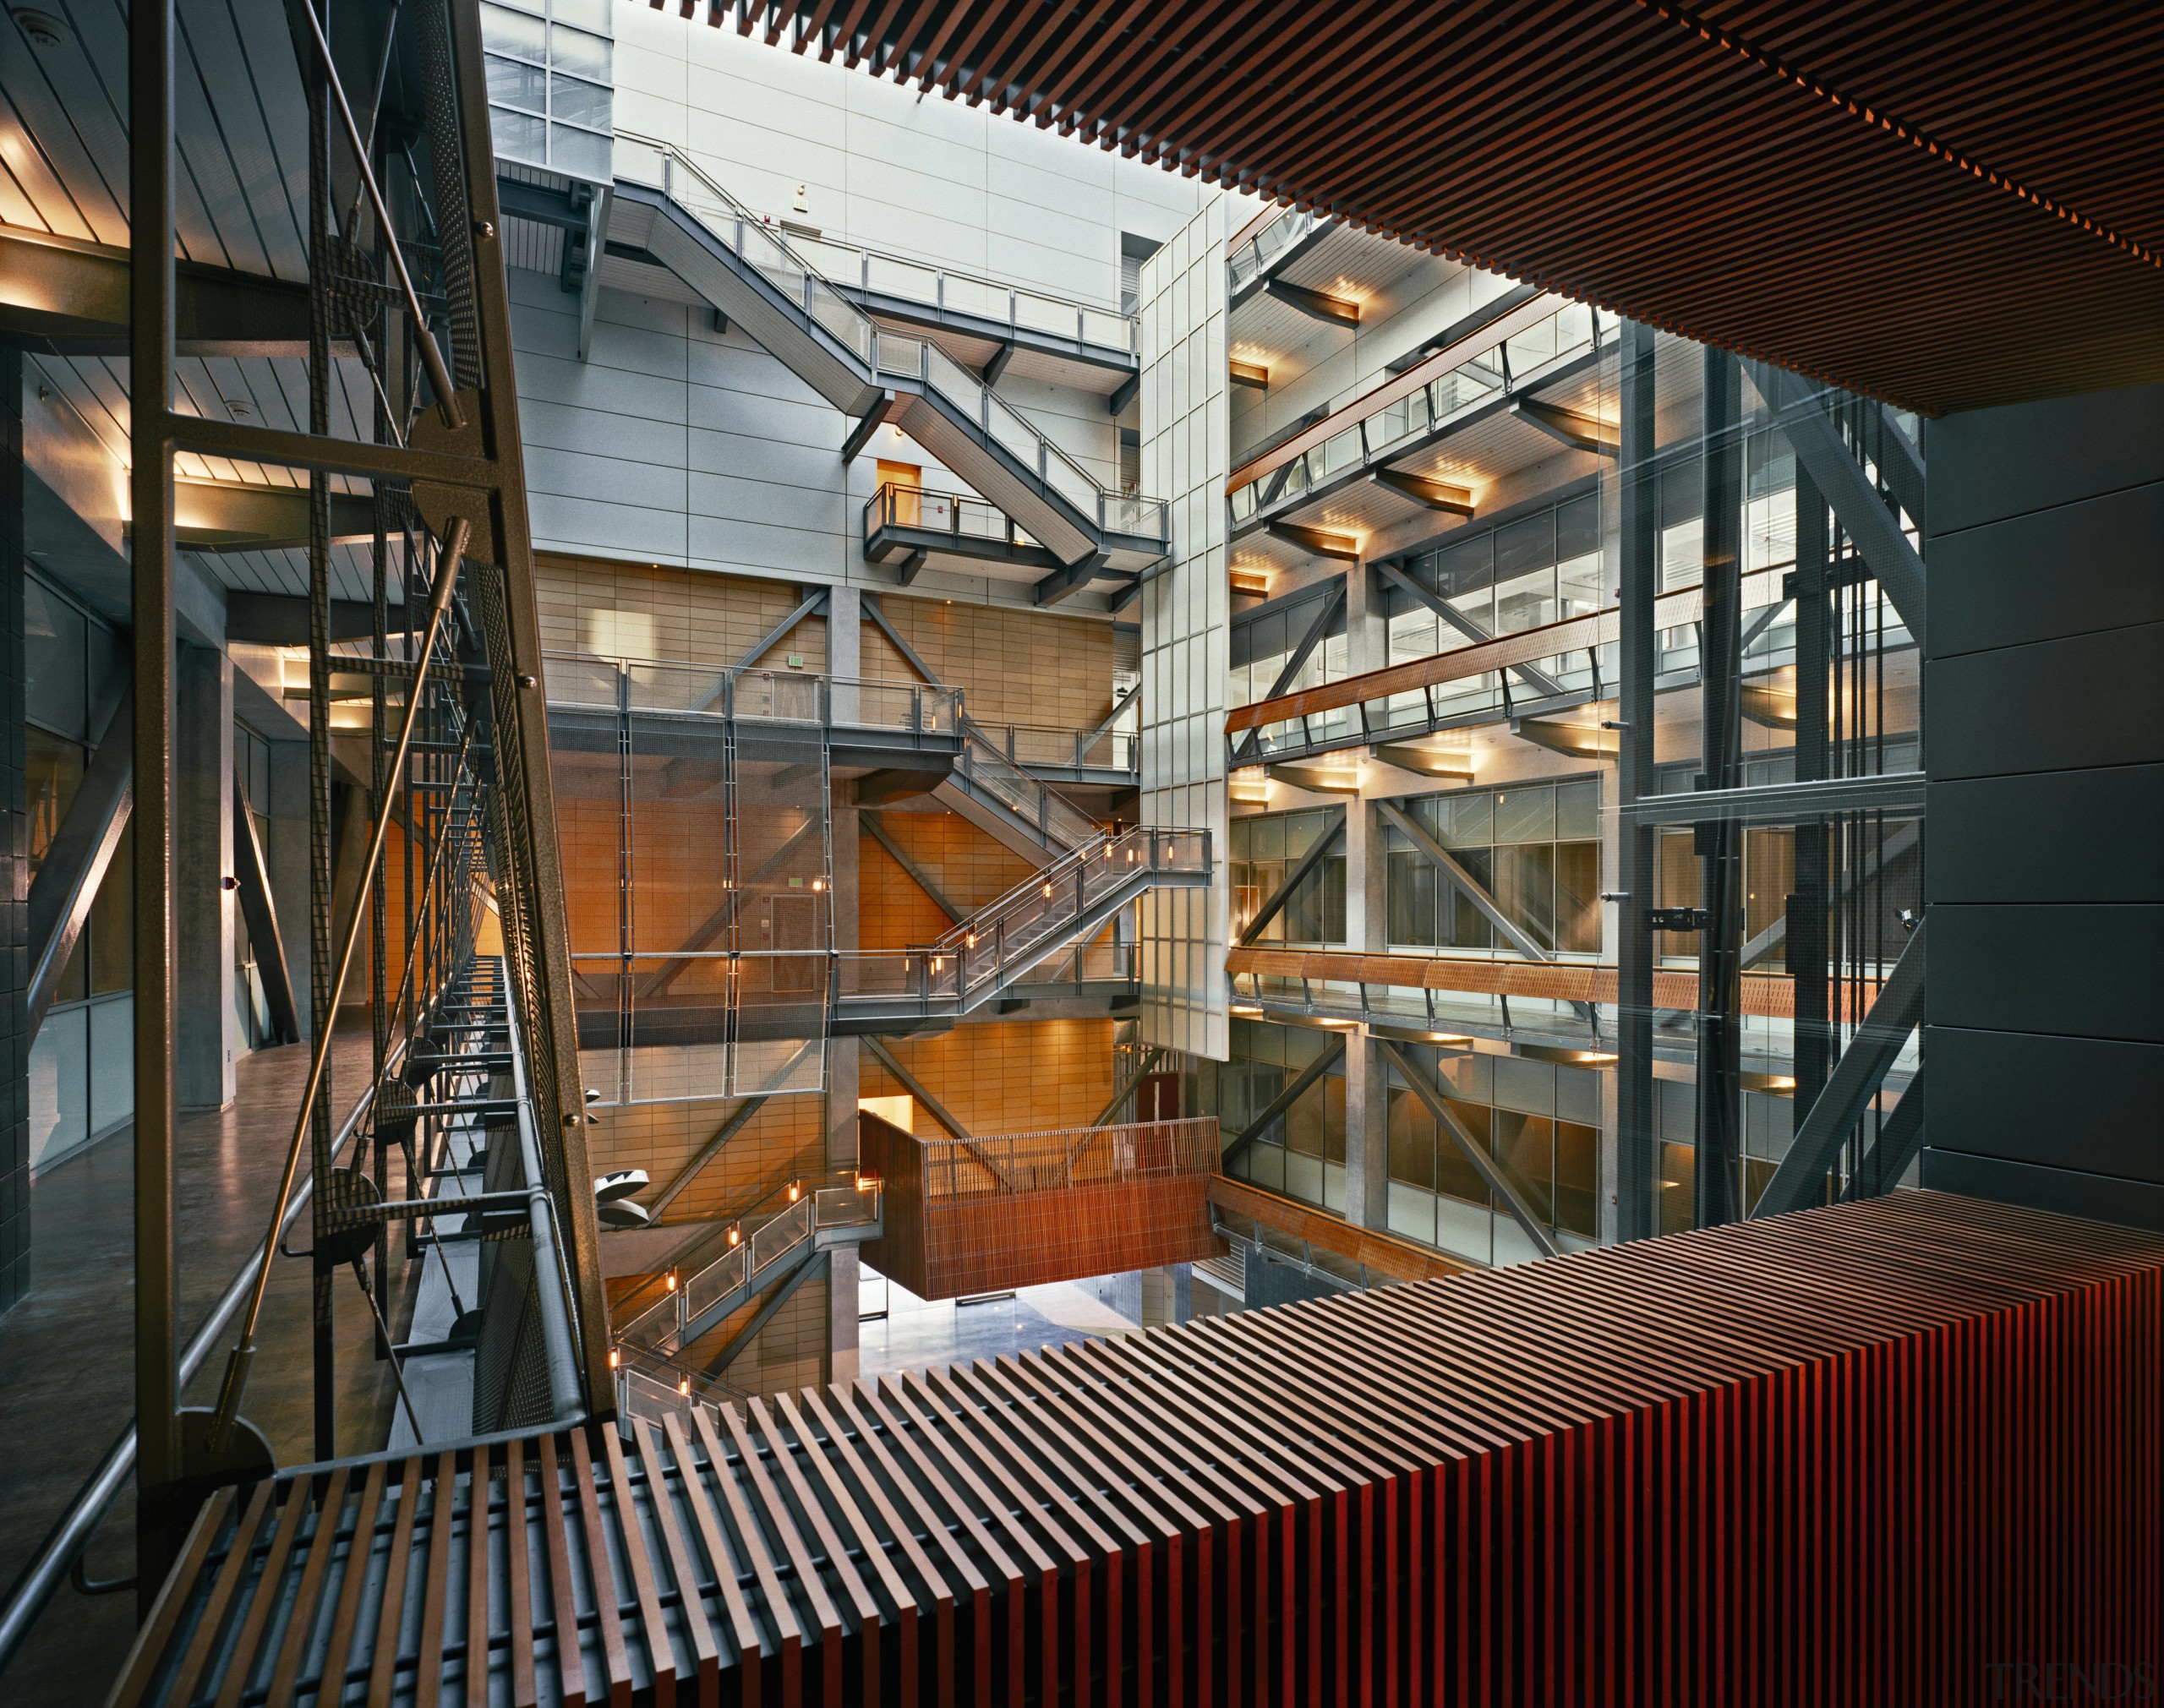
[1945, 205]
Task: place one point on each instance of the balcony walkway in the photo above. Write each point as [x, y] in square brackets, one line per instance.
[70, 1352]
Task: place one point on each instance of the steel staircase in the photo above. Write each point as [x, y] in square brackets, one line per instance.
[1052, 914]
[746, 269]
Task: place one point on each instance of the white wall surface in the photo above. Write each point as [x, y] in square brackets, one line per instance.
[928, 178]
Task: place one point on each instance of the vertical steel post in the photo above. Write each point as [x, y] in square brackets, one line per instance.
[322, 874]
[1717, 1176]
[1807, 906]
[150, 348]
[1637, 1160]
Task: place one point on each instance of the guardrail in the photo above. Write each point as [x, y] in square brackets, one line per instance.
[667, 1326]
[1250, 261]
[591, 682]
[1387, 430]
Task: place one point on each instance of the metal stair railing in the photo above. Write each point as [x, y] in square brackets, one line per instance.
[985, 772]
[1037, 919]
[691, 1307]
[884, 355]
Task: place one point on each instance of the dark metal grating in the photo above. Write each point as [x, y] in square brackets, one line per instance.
[1863, 1454]
[1944, 205]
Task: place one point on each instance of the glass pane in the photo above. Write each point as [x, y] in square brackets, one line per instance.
[1525, 889]
[1412, 1139]
[580, 151]
[1525, 815]
[516, 135]
[112, 919]
[577, 51]
[1525, 1144]
[515, 33]
[1467, 820]
[52, 770]
[1577, 810]
[587, 15]
[1577, 1179]
[515, 84]
[1577, 898]
[53, 661]
[579, 102]
[1454, 1175]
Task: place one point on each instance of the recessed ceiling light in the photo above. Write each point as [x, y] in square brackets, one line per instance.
[43, 29]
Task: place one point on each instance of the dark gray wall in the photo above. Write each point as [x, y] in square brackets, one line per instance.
[2044, 874]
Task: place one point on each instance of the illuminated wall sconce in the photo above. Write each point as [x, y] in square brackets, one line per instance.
[672, 1281]
[795, 1191]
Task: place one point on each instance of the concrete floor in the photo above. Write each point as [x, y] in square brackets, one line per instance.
[918, 1334]
[66, 1351]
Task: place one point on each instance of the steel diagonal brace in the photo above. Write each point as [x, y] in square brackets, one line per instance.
[1854, 1080]
[1501, 1181]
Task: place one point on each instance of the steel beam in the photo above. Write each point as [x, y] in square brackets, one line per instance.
[1065, 582]
[915, 874]
[1898, 793]
[1862, 512]
[739, 1119]
[817, 1263]
[812, 605]
[909, 1082]
[1293, 1092]
[1447, 612]
[1854, 1080]
[151, 55]
[1900, 1137]
[74, 296]
[1319, 305]
[1130, 1086]
[1298, 874]
[1446, 863]
[77, 859]
[867, 423]
[1567, 427]
[1432, 494]
[261, 913]
[1501, 1180]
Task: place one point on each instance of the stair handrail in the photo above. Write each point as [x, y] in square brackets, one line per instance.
[1121, 512]
[1034, 799]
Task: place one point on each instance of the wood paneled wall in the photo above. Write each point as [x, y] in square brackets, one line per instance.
[1014, 666]
[786, 1137]
[695, 618]
[1018, 1076]
[970, 868]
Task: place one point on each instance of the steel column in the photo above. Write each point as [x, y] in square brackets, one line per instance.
[1637, 1156]
[1805, 949]
[1716, 1186]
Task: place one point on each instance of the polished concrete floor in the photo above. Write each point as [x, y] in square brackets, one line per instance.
[66, 1351]
[916, 1334]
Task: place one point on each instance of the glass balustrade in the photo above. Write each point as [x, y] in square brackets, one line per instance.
[1385, 430]
[584, 681]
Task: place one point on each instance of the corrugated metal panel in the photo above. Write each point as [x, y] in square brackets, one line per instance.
[1819, 1457]
[1921, 201]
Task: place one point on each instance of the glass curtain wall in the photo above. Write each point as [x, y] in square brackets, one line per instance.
[82, 1071]
[1302, 1152]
